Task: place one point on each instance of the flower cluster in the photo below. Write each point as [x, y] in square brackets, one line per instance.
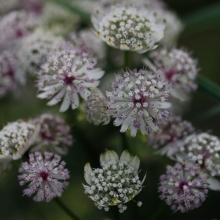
[128, 29]
[54, 134]
[178, 68]
[35, 48]
[45, 175]
[116, 183]
[11, 75]
[137, 101]
[66, 74]
[183, 187]
[204, 150]
[96, 108]
[171, 136]
[15, 139]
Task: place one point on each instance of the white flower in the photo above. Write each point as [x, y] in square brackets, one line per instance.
[127, 28]
[67, 74]
[116, 182]
[138, 100]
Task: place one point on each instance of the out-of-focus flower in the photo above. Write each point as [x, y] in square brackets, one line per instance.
[67, 74]
[57, 19]
[87, 38]
[183, 187]
[47, 176]
[96, 108]
[54, 134]
[6, 6]
[35, 48]
[178, 68]
[11, 75]
[137, 101]
[16, 25]
[15, 139]
[171, 135]
[127, 28]
[204, 150]
[34, 6]
[116, 183]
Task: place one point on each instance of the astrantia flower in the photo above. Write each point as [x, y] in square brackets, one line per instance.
[67, 74]
[137, 101]
[116, 183]
[204, 150]
[35, 48]
[183, 187]
[47, 176]
[54, 134]
[16, 138]
[34, 6]
[96, 108]
[178, 68]
[171, 135]
[6, 6]
[16, 25]
[11, 77]
[127, 28]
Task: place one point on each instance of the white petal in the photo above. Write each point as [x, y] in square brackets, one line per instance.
[75, 101]
[87, 173]
[57, 98]
[125, 156]
[135, 163]
[66, 102]
[214, 184]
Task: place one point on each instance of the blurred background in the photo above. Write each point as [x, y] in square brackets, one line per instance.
[203, 41]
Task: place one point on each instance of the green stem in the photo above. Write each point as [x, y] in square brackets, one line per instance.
[76, 10]
[124, 143]
[209, 87]
[126, 59]
[66, 210]
[209, 113]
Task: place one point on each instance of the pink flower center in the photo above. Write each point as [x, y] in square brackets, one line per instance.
[44, 175]
[182, 184]
[170, 73]
[68, 79]
[47, 136]
[141, 100]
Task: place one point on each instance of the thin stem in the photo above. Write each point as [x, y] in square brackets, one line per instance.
[126, 59]
[66, 210]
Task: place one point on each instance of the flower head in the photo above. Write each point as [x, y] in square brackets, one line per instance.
[96, 108]
[16, 25]
[127, 28]
[67, 74]
[137, 101]
[47, 176]
[34, 6]
[116, 183]
[178, 68]
[204, 150]
[171, 135]
[183, 187]
[16, 138]
[54, 134]
[35, 48]
[11, 75]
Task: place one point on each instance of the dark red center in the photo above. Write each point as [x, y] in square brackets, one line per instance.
[44, 175]
[182, 184]
[11, 73]
[69, 79]
[169, 74]
[141, 100]
[19, 33]
[47, 136]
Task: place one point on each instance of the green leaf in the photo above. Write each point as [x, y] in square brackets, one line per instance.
[209, 87]
[75, 9]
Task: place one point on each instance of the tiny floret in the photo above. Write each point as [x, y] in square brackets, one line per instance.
[116, 182]
[54, 134]
[46, 174]
[96, 108]
[183, 187]
[66, 75]
[138, 100]
[127, 28]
